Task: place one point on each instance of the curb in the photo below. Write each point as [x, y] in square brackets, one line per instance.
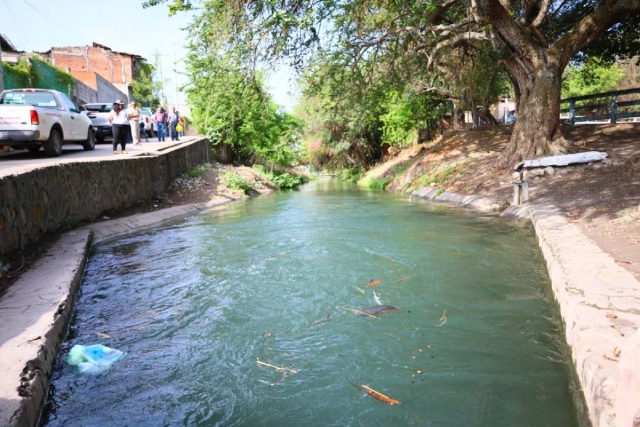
[590, 289]
[31, 337]
[35, 314]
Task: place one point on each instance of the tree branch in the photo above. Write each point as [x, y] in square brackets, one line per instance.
[608, 13]
[542, 13]
[454, 42]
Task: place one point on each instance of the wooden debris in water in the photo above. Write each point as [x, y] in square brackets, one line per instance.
[377, 395]
[353, 310]
[376, 310]
[361, 291]
[277, 368]
[443, 319]
[326, 319]
[374, 282]
[403, 278]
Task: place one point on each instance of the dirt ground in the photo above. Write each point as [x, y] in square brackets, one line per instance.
[603, 199]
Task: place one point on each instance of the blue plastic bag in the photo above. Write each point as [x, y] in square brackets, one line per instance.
[93, 358]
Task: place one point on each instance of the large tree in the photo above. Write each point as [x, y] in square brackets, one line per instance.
[533, 39]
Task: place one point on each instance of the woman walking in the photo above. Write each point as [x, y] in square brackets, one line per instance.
[119, 125]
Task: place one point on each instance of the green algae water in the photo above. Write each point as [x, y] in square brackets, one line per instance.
[477, 339]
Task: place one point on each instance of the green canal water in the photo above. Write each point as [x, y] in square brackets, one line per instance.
[477, 340]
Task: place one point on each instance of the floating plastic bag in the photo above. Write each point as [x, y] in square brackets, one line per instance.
[93, 358]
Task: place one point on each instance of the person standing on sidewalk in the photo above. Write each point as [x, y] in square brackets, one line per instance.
[160, 119]
[119, 125]
[134, 122]
[173, 122]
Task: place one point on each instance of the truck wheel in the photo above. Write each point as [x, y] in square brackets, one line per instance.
[90, 143]
[34, 148]
[53, 145]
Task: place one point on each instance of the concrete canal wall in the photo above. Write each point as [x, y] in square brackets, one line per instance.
[599, 303]
[47, 199]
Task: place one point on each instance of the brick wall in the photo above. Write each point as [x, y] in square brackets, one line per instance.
[115, 67]
[49, 198]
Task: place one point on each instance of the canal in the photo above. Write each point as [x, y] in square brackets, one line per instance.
[281, 280]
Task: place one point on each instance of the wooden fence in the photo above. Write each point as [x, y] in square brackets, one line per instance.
[591, 107]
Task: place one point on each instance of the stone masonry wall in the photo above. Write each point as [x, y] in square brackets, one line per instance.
[46, 199]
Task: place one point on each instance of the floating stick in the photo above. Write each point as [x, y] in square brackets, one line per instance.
[377, 395]
[358, 312]
[277, 368]
[361, 291]
[443, 319]
[403, 278]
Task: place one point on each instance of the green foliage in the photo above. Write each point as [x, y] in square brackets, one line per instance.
[288, 181]
[439, 176]
[230, 104]
[592, 76]
[199, 171]
[351, 174]
[17, 76]
[146, 91]
[235, 182]
[282, 180]
[377, 183]
[45, 76]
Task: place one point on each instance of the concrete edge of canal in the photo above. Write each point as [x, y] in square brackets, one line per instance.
[598, 302]
[36, 311]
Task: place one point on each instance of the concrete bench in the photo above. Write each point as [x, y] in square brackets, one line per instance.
[521, 186]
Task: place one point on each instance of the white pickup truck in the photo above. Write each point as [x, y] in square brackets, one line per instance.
[34, 118]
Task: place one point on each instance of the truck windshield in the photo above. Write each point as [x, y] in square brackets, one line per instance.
[37, 99]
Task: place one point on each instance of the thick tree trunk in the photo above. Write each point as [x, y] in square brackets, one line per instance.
[537, 128]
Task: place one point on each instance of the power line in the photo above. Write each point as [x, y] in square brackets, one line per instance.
[48, 17]
[16, 21]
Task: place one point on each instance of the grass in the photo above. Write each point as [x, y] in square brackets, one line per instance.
[234, 181]
[377, 183]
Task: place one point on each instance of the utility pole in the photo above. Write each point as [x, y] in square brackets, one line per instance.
[175, 73]
[159, 65]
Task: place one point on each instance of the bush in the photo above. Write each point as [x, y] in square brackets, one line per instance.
[352, 175]
[236, 182]
[377, 183]
[198, 171]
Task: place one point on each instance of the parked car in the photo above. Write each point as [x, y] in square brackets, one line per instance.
[149, 126]
[35, 118]
[99, 113]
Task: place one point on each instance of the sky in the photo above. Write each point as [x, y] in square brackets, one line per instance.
[122, 25]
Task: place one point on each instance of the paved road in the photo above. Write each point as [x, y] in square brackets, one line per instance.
[20, 161]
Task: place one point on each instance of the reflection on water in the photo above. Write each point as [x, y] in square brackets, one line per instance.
[476, 342]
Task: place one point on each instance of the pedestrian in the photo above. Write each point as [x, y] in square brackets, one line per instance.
[173, 122]
[134, 122]
[143, 127]
[119, 125]
[160, 119]
[180, 127]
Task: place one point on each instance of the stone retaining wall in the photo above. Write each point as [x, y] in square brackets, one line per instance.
[47, 199]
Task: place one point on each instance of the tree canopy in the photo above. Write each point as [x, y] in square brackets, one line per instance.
[458, 50]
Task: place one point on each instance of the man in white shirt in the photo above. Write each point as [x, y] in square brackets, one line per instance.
[134, 122]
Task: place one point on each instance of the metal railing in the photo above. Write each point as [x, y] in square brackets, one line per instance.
[607, 110]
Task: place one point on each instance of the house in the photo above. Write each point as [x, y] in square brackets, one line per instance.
[10, 54]
[117, 68]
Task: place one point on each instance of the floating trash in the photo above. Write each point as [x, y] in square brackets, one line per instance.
[93, 358]
[377, 395]
[377, 310]
[374, 282]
